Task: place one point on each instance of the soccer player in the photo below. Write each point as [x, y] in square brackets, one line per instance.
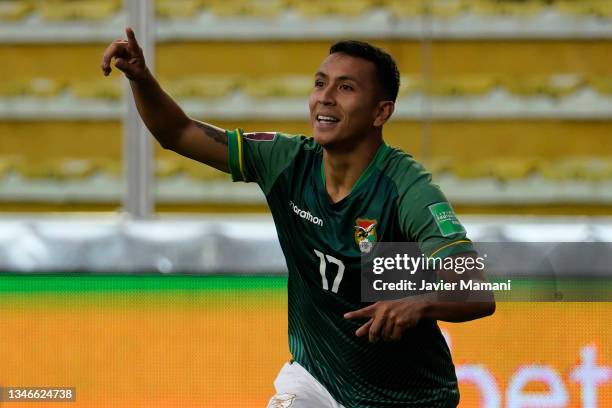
[332, 196]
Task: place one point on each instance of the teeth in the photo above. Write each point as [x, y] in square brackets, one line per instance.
[326, 118]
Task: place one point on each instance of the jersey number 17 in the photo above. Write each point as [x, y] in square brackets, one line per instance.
[323, 266]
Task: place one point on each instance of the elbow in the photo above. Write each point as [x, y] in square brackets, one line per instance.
[165, 143]
[165, 140]
[170, 137]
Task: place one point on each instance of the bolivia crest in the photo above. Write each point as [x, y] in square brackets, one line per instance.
[365, 234]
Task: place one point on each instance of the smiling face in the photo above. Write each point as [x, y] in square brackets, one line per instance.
[345, 104]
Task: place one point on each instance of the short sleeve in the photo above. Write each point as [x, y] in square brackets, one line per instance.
[260, 157]
[428, 218]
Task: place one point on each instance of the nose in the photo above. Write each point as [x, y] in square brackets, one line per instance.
[327, 96]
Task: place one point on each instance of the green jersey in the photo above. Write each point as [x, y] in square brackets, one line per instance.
[393, 201]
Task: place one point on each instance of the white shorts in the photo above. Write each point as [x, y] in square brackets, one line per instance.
[296, 388]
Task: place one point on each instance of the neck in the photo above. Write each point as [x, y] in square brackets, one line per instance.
[343, 168]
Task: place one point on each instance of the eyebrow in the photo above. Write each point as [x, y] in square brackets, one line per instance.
[341, 78]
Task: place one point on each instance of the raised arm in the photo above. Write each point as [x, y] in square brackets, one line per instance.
[164, 118]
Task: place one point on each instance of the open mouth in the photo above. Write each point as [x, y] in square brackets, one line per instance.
[327, 119]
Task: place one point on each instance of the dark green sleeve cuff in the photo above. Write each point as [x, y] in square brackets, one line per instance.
[235, 151]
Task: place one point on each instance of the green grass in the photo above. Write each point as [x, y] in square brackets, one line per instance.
[109, 283]
[523, 289]
[131, 292]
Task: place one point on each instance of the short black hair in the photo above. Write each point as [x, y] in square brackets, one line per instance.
[386, 68]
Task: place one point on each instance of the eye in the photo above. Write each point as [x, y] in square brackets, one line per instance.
[346, 87]
[319, 83]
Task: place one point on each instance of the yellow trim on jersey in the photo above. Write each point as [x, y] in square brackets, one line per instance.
[462, 241]
[240, 160]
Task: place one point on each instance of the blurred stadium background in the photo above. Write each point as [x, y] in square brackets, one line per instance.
[507, 102]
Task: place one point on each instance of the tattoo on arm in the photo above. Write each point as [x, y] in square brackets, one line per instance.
[218, 135]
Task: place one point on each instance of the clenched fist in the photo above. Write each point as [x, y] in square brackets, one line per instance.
[128, 56]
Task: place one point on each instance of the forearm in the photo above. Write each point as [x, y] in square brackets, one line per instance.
[456, 311]
[161, 114]
[459, 305]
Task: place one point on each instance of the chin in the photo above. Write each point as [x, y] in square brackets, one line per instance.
[324, 138]
[332, 141]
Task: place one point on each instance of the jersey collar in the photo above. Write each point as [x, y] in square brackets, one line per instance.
[382, 149]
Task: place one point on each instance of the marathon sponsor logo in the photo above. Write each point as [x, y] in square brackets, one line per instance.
[305, 214]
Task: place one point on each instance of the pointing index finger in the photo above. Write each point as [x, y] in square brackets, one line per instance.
[363, 312]
[129, 32]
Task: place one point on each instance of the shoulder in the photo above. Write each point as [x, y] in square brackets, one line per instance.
[405, 171]
[302, 141]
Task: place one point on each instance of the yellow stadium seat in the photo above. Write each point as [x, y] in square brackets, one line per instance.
[560, 169]
[439, 165]
[461, 85]
[66, 167]
[44, 87]
[177, 8]
[37, 169]
[403, 8]
[472, 169]
[527, 86]
[203, 172]
[10, 88]
[297, 85]
[109, 166]
[73, 168]
[508, 169]
[559, 85]
[8, 164]
[451, 8]
[600, 8]
[601, 83]
[105, 88]
[288, 86]
[603, 9]
[253, 8]
[596, 169]
[314, 8]
[410, 84]
[260, 89]
[512, 8]
[78, 9]
[589, 168]
[556, 85]
[40, 87]
[14, 10]
[503, 169]
[212, 86]
[447, 8]
[165, 167]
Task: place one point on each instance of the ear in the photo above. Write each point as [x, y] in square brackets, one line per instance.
[384, 111]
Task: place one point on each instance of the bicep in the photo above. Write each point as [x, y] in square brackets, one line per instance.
[204, 143]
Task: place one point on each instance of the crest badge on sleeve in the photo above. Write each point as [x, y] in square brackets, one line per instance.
[365, 234]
